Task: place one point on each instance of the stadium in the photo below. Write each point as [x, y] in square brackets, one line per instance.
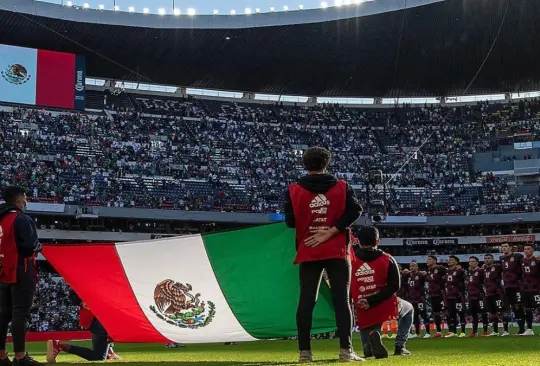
[135, 129]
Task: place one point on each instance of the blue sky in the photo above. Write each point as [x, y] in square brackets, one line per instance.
[204, 6]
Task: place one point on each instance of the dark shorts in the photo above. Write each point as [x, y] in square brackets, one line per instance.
[437, 304]
[477, 306]
[494, 304]
[512, 297]
[530, 300]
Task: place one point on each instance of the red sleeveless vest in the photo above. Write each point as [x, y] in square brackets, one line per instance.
[368, 278]
[317, 211]
[85, 318]
[9, 256]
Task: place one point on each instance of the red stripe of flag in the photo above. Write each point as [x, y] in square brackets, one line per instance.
[55, 84]
[96, 272]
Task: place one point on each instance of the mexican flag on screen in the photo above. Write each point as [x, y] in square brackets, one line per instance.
[233, 286]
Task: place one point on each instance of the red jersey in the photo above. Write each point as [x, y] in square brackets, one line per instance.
[455, 283]
[368, 278]
[436, 278]
[417, 287]
[531, 274]
[9, 255]
[317, 211]
[492, 279]
[475, 284]
[511, 269]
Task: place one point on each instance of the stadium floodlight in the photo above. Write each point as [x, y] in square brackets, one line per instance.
[176, 11]
[161, 11]
[347, 2]
[272, 9]
[338, 2]
[131, 9]
[191, 11]
[69, 3]
[101, 7]
[233, 12]
[324, 4]
[116, 8]
[146, 10]
[86, 5]
[216, 12]
[285, 8]
[247, 11]
[258, 10]
[301, 7]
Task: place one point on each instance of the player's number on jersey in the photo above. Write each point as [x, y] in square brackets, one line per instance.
[450, 278]
[481, 303]
[421, 306]
[459, 306]
[537, 298]
[499, 303]
[518, 296]
[505, 264]
[527, 269]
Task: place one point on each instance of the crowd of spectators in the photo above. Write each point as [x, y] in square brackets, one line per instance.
[193, 154]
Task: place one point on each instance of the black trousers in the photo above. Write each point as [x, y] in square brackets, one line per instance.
[339, 275]
[15, 303]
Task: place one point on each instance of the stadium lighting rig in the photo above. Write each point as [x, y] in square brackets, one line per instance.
[69, 3]
[101, 7]
[216, 12]
[131, 9]
[86, 5]
[338, 3]
[247, 11]
[191, 12]
[324, 4]
[301, 7]
[176, 11]
[258, 10]
[272, 9]
[146, 10]
[233, 12]
[161, 11]
[116, 8]
[285, 8]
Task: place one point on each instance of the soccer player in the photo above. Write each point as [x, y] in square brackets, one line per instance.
[436, 278]
[321, 209]
[416, 295]
[530, 296]
[511, 274]
[18, 277]
[455, 297]
[475, 290]
[492, 284]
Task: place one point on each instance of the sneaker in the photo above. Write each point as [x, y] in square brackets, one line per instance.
[493, 334]
[26, 361]
[450, 335]
[519, 333]
[437, 335]
[463, 335]
[472, 335]
[5, 362]
[401, 351]
[53, 349]
[413, 336]
[305, 357]
[505, 334]
[348, 355]
[377, 346]
[427, 335]
[484, 334]
[111, 355]
[528, 332]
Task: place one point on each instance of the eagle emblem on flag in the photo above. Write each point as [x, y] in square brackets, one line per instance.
[175, 304]
[15, 74]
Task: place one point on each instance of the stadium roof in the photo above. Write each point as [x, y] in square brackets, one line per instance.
[430, 50]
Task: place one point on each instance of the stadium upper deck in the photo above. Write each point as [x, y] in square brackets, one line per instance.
[429, 50]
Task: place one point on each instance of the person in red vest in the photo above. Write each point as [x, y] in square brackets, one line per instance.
[375, 281]
[102, 347]
[321, 208]
[18, 274]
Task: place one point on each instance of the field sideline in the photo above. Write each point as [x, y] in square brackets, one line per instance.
[508, 351]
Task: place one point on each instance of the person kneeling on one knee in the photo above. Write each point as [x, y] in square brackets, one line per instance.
[375, 282]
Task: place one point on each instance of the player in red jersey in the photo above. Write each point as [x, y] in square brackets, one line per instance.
[455, 297]
[530, 284]
[511, 274]
[436, 277]
[492, 284]
[416, 295]
[475, 290]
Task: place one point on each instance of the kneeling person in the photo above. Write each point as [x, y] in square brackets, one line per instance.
[375, 282]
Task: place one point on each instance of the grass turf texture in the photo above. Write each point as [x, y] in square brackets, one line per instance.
[507, 351]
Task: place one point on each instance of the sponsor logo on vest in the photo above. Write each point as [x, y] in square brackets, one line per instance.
[367, 288]
[364, 270]
[367, 279]
[319, 201]
[320, 219]
[322, 210]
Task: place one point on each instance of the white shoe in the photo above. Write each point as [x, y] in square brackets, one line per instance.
[505, 334]
[493, 334]
[451, 335]
[426, 336]
[413, 336]
[528, 332]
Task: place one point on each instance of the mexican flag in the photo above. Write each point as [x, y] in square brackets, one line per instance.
[232, 286]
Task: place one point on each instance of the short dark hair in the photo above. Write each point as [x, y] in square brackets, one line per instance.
[11, 193]
[488, 255]
[454, 258]
[475, 258]
[316, 159]
[368, 236]
[529, 245]
[433, 257]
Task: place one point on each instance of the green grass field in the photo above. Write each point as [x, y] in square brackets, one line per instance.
[508, 351]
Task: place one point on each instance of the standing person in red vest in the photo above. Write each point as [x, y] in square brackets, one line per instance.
[102, 347]
[18, 274]
[375, 282]
[321, 208]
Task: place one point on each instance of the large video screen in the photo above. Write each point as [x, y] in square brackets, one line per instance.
[44, 78]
